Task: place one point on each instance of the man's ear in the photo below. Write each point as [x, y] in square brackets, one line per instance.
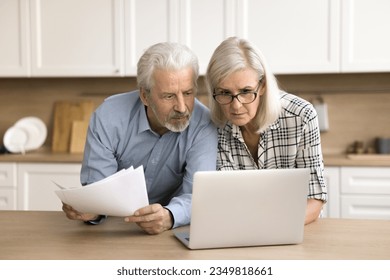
[143, 96]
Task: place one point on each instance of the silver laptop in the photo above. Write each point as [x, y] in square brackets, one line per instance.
[247, 208]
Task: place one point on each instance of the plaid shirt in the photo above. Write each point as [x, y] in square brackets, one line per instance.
[292, 141]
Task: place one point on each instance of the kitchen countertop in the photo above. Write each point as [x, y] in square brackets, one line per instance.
[44, 155]
[367, 160]
[46, 235]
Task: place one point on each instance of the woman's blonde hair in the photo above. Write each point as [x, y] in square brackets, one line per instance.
[235, 54]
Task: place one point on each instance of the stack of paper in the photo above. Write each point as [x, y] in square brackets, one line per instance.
[120, 194]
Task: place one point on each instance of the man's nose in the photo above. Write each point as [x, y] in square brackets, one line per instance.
[180, 105]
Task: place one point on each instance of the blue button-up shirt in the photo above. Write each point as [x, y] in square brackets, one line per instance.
[119, 136]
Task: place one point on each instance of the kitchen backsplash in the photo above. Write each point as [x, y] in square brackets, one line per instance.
[358, 104]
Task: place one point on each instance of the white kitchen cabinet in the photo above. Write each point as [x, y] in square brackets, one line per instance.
[365, 39]
[329, 36]
[77, 38]
[200, 24]
[358, 192]
[56, 38]
[204, 25]
[365, 192]
[147, 22]
[14, 40]
[296, 37]
[36, 187]
[8, 185]
[299, 36]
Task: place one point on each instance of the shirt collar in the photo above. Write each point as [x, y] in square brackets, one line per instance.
[236, 131]
[274, 125]
[143, 124]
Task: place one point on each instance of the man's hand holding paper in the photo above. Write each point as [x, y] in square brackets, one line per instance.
[153, 218]
[120, 194]
[73, 214]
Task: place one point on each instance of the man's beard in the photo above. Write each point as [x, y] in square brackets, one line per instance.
[176, 127]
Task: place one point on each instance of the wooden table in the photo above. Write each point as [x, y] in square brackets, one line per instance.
[50, 235]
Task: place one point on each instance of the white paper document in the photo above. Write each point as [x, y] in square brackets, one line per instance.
[120, 194]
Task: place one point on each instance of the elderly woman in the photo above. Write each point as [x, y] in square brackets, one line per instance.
[260, 126]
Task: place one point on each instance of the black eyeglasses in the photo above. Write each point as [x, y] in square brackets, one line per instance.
[245, 96]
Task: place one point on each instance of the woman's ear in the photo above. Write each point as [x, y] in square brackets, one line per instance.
[262, 87]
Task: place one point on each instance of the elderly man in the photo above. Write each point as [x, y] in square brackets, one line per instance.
[161, 126]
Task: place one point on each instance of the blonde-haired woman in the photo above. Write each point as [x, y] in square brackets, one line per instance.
[260, 126]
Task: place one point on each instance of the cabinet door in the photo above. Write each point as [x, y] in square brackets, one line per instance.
[7, 199]
[365, 180]
[7, 175]
[77, 38]
[365, 192]
[204, 25]
[14, 38]
[148, 22]
[7, 186]
[299, 36]
[365, 207]
[36, 190]
[365, 39]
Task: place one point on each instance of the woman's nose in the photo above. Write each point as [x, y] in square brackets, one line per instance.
[236, 103]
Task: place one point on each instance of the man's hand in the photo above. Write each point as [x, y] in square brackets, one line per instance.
[73, 214]
[153, 219]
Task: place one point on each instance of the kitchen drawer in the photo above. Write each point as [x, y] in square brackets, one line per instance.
[365, 180]
[7, 199]
[8, 175]
[365, 207]
[36, 190]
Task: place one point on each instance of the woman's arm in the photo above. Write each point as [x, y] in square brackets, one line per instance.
[313, 210]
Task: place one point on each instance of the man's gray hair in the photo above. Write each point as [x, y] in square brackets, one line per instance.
[165, 56]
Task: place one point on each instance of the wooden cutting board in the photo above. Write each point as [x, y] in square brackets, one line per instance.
[78, 136]
[65, 114]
